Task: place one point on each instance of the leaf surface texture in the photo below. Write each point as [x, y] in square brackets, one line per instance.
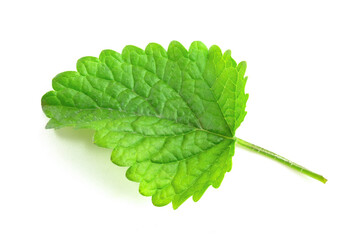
[170, 116]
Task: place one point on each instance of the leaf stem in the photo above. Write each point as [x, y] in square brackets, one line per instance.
[280, 159]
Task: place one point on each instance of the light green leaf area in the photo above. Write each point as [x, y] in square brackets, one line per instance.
[170, 116]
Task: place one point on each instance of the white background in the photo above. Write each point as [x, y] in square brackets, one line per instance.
[303, 67]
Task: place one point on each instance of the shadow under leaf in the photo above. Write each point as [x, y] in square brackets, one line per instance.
[94, 162]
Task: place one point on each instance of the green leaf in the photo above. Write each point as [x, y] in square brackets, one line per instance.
[170, 116]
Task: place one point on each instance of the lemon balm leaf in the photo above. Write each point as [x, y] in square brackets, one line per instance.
[170, 116]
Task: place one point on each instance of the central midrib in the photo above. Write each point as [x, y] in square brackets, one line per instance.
[156, 116]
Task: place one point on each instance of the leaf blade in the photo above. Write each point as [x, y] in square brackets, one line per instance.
[170, 116]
